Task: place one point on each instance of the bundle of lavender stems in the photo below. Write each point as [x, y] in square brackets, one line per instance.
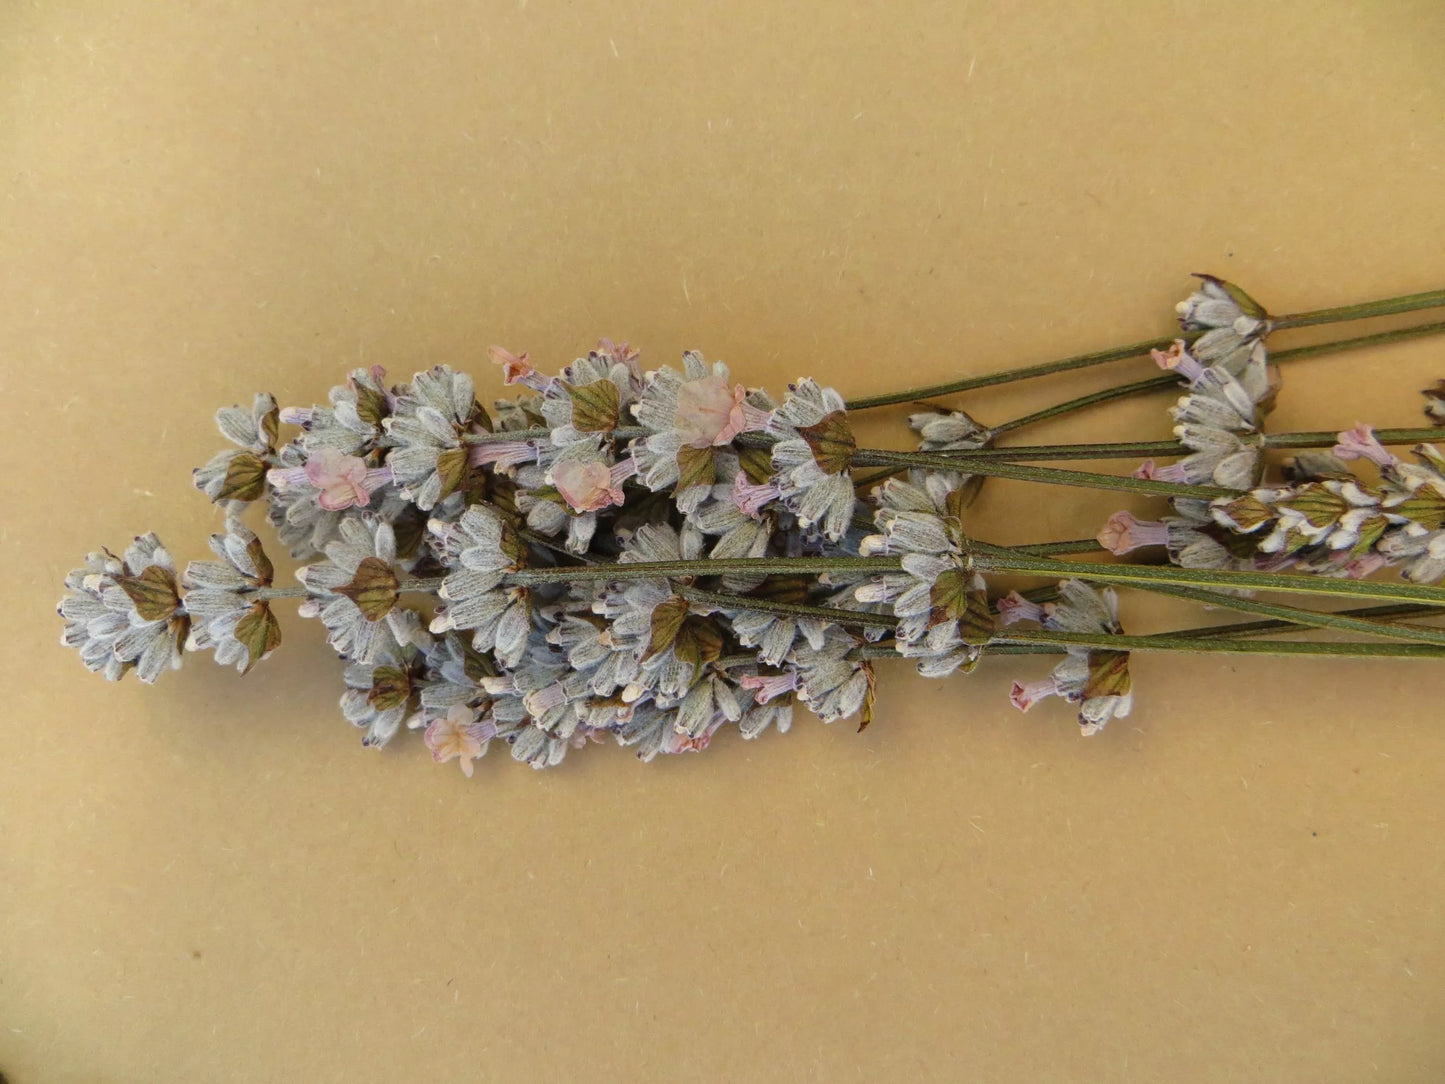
[654, 555]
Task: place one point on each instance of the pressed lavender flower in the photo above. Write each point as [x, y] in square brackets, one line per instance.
[354, 592]
[240, 474]
[588, 483]
[352, 424]
[688, 415]
[657, 626]
[941, 603]
[341, 481]
[593, 394]
[1435, 403]
[738, 533]
[459, 736]
[482, 548]
[1231, 321]
[1219, 420]
[773, 706]
[382, 695]
[592, 655]
[751, 498]
[775, 634]
[948, 431]
[518, 369]
[225, 618]
[1097, 680]
[811, 458]
[126, 613]
[429, 460]
[1360, 443]
[831, 683]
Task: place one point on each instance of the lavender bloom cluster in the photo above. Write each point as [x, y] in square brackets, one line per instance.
[653, 556]
[397, 492]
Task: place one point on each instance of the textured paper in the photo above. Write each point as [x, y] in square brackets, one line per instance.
[211, 880]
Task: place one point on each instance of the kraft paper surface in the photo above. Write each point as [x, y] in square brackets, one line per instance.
[210, 879]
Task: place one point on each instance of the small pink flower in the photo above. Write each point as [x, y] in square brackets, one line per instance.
[1364, 566]
[517, 369]
[1123, 533]
[1150, 471]
[1360, 443]
[1178, 360]
[709, 412]
[1013, 608]
[1025, 695]
[505, 456]
[674, 742]
[590, 487]
[750, 498]
[459, 736]
[624, 352]
[344, 480]
[769, 685]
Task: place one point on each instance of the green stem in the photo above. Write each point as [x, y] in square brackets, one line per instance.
[1128, 575]
[1289, 614]
[723, 601]
[1192, 644]
[1407, 303]
[1133, 448]
[1171, 381]
[622, 432]
[758, 566]
[1307, 618]
[1008, 376]
[1051, 475]
[1385, 307]
[1264, 628]
[1054, 549]
[426, 586]
[266, 594]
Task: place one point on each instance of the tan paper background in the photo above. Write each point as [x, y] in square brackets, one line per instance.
[211, 880]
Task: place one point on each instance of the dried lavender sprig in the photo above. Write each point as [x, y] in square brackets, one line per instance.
[1384, 307]
[1170, 382]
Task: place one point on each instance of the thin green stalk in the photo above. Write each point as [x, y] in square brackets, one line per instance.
[1265, 628]
[1291, 614]
[1134, 448]
[1051, 475]
[1345, 649]
[1384, 307]
[760, 566]
[1308, 618]
[622, 432]
[1129, 575]
[1008, 376]
[420, 585]
[266, 594]
[1389, 306]
[1171, 381]
[724, 601]
[1055, 549]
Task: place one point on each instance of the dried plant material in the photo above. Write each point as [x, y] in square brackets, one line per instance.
[659, 556]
